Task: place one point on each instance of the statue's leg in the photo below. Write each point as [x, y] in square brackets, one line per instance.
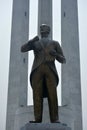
[52, 96]
[37, 96]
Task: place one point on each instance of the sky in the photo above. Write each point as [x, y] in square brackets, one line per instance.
[5, 34]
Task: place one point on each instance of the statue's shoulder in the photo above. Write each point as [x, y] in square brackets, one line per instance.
[37, 45]
[55, 42]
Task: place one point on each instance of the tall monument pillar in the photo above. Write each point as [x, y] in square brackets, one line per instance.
[71, 85]
[18, 67]
[45, 14]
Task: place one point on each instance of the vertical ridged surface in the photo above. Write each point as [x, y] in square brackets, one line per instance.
[45, 14]
[71, 85]
[18, 67]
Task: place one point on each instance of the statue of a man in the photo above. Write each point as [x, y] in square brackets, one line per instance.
[44, 78]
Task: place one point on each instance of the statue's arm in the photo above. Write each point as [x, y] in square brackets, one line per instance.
[60, 56]
[29, 45]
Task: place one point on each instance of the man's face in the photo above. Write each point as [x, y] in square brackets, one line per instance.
[44, 29]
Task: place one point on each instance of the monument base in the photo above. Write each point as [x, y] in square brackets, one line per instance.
[45, 126]
[25, 114]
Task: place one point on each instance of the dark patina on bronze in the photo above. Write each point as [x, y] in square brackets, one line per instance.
[44, 78]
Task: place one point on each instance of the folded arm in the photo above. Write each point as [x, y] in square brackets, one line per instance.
[29, 45]
[60, 56]
[58, 53]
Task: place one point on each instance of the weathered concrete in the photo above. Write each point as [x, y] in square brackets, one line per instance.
[71, 86]
[18, 67]
[44, 126]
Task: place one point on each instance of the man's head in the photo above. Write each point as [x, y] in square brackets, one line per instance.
[44, 29]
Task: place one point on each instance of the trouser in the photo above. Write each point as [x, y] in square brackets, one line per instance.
[44, 72]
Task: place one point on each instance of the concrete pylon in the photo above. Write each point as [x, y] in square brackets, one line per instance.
[71, 83]
[45, 14]
[18, 67]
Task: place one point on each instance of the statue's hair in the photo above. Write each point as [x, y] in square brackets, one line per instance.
[44, 28]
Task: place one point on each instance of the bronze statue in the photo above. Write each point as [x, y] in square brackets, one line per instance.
[44, 77]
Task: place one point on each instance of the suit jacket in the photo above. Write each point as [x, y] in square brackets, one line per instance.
[45, 51]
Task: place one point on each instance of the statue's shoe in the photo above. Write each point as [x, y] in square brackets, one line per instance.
[57, 121]
[35, 121]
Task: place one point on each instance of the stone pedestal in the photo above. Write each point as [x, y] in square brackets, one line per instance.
[45, 126]
[25, 114]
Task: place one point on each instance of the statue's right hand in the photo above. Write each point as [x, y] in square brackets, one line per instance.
[23, 48]
[36, 38]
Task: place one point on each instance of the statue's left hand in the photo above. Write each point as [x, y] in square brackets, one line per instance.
[58, 56]
[53, 53]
